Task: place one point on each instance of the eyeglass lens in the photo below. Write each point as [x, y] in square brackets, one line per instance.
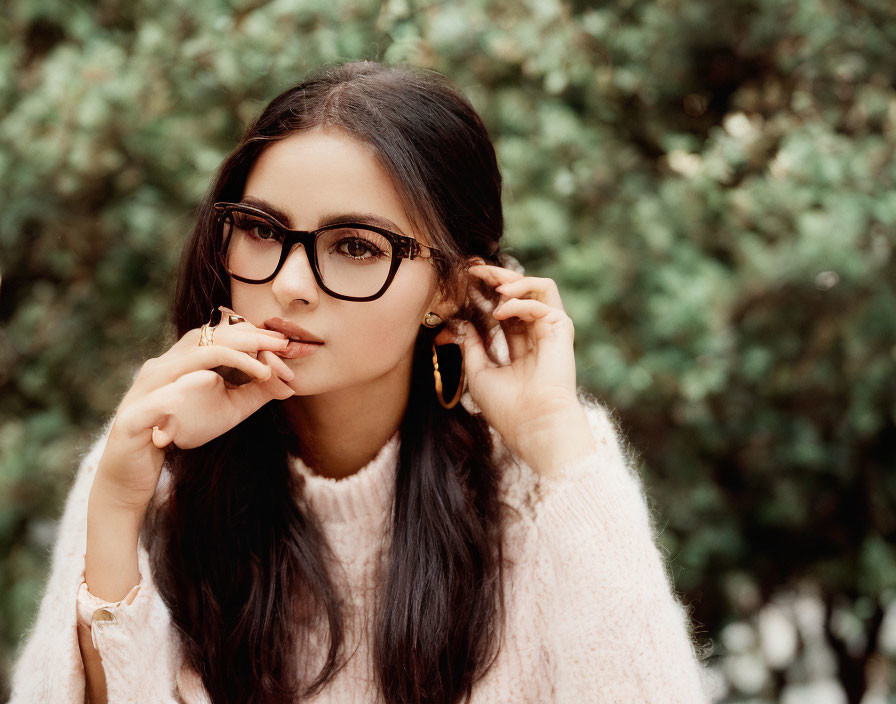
[352, 261]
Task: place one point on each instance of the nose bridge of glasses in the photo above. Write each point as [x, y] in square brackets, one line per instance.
[299, 240]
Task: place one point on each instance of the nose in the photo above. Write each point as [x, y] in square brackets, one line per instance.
[295, 280]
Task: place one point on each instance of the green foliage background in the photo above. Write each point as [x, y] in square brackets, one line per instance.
[710, 183]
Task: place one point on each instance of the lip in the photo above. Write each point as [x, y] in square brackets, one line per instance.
[294, 349]
[292, 331]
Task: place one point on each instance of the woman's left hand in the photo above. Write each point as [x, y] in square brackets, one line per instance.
[532, 401]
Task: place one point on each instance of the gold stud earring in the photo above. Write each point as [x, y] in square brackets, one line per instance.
[432, 320]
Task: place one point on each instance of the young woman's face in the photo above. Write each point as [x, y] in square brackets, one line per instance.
[313, 177]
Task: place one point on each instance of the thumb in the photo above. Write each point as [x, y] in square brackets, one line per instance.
[160, 438]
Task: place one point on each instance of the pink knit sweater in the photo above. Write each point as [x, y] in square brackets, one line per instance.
[591, 615]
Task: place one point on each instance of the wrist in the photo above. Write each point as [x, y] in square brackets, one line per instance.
[106, 505]
[550, 443]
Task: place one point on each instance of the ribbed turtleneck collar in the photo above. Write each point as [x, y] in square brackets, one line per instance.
[367, 493]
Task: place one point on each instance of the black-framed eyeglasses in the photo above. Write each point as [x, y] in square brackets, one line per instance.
[350, 260]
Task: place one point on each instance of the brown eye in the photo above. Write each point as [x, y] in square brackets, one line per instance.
[356, 248]
[358, 244]
[263, 232]
[255, 228]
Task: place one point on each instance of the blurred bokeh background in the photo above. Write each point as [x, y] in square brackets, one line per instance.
[710, 183]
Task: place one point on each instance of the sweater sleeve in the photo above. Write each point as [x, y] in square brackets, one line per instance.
[615, 626]
[135, 640]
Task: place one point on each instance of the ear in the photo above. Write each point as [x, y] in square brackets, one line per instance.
[445, 303]
[449, 299]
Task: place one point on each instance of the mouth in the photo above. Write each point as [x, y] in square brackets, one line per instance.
[294, 332]
[297, 348]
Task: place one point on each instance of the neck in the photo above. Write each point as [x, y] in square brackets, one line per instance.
[341, 431]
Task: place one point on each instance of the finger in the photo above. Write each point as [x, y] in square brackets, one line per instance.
[247, 339]
[169, 368]
[545, 319]
[275, 387]
[248, 398]
[494, 275]
[281, 369]
[246, 325]
[160, 438]
[475, 357]
[245, 360]
[527, 309]
[516, 333]
[154, 410]
[191, 337]
[264, 331]
[535, 287]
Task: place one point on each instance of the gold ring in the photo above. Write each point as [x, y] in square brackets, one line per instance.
[207, 331]
[206, 335]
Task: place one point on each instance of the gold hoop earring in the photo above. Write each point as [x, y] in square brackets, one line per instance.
[432, 320]
[461, 384]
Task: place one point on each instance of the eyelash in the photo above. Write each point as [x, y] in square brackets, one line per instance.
[375, 251]
[248, 223]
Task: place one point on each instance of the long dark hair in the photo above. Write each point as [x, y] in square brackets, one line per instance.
[241, 567]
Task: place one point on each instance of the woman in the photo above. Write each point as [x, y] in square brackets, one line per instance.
[290, 504]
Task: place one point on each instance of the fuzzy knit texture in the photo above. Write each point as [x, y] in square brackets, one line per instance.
[591, 613]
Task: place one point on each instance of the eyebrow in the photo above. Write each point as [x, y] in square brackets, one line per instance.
[331, 219]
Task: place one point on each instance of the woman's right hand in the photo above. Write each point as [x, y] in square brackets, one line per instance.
[177, 398]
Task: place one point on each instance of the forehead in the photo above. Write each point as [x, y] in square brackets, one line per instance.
[317, 174]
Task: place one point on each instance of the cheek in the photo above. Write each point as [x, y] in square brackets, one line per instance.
[244, 299]
[381, 333]
[380, 338]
